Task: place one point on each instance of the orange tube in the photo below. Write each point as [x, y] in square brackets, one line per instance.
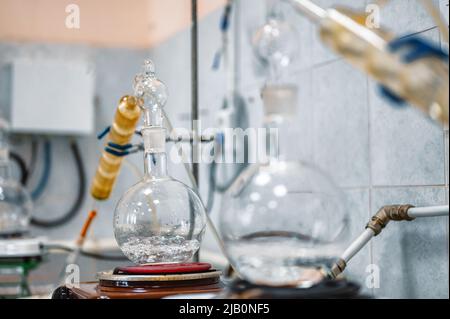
[86, 226]
[122, 130]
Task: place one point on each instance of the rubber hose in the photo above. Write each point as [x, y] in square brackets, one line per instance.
[22, 166]
[79, 199]
[42, 184]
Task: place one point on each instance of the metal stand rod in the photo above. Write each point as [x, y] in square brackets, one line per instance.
[194, 106]
[195, 99]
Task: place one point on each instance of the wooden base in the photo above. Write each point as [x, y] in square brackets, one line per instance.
[112, 286]
[92, 290]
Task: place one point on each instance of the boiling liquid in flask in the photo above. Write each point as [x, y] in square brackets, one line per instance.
[156, 249]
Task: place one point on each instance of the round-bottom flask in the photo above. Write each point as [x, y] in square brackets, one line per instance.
[15, 202]
[15, 208]
[158, 220]
[153, 222]
[284, 223]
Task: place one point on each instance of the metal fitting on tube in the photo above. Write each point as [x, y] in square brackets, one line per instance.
[338, 268]
[386, 214]
[376, 225]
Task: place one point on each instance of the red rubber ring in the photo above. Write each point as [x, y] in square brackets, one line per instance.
[163, 269]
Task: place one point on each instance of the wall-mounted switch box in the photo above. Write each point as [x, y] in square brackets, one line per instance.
[52, 97]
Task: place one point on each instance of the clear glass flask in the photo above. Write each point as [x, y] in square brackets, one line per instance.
[160, 219]
[15, 202]
[283, 221]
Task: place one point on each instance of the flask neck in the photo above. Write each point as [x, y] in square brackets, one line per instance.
[274, 10]
[153, 117]
[155, 165]
[154, 135]
[280, 105]
[4, 157]
[275, 150]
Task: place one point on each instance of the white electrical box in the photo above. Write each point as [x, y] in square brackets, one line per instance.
[52, 97]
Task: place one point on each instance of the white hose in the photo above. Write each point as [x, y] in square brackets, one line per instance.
[357, 245]
[432, 211]
[366, 236]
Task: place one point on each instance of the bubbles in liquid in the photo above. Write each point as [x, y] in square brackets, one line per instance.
[281, 261]
[156, 249]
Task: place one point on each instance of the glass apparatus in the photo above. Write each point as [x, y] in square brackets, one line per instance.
[122, 130]
[158, 220]
[276, 42]
[423, 83]
[283, 222]
[15, 202]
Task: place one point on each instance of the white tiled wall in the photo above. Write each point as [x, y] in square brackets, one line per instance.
[379, 155]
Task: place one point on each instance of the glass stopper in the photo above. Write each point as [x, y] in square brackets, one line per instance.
[149, 88]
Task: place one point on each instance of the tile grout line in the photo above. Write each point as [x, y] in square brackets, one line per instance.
[369, 137]
[312, 67]
[446, 176]
[446, 158]
[375, 187]
[327, 62]
[422, 31]
[313, 118]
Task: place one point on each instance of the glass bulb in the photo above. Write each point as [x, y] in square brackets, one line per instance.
[159, 221]
[149, 88]
[283, 224]
[276, 44]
